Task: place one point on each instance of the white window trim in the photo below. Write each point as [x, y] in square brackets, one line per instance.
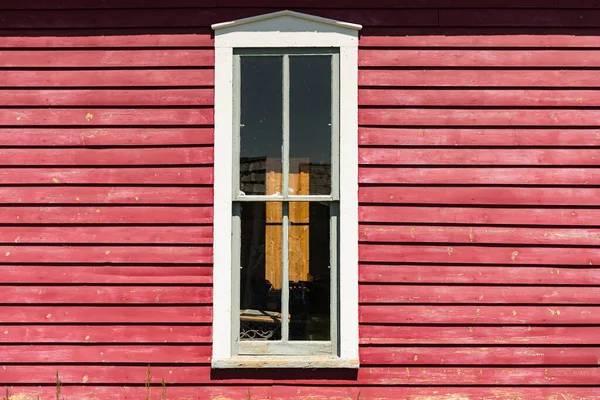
[286, 29]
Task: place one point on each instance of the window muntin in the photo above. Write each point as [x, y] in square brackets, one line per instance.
[285, 203]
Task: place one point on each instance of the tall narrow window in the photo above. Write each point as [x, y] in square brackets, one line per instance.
[286, 193]
[285, 203]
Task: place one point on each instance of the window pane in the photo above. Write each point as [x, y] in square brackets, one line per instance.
[309, 259]
[310, 125]
[261, 124]
[260, 283]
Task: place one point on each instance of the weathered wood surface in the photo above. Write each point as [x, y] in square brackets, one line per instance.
[479, 200]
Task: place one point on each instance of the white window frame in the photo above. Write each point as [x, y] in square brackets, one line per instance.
[286, 29]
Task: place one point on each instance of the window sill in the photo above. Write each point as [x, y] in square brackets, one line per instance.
[285, 362]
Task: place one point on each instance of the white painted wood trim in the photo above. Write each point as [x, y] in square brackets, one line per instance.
[283, 30]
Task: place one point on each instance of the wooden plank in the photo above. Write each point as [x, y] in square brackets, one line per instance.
[478, 216]
[551, 376]
[101, 4]
[394, 156]
[107, 97]
[106, 195]
[480, 335]
[475, 315]
[479, 254]
[480, 274]
[479, 176]
[106, 58]
[102, 157]
[477, 137]
[559, 78]
[416, 294]
[477, 117]
[464, 37]
[99, 117]
[482, 195]
[537, 18]
[106, 254]
[109, 176]
[478, 58]
[477, 98]
[112, 234]
[313, 392]
[79, 137]
[98, 78]
[173, 37]
[147, 354]
[483, 235]
[113, 333]
[95, 315]
[38, 295]
[73, 274]
[475, 356]
[97, 4]
[200, 17]
[106, 215]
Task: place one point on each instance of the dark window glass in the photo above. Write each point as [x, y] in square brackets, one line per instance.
[310, 125]
[261, 125]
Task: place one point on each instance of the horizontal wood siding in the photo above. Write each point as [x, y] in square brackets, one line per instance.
[479, 200]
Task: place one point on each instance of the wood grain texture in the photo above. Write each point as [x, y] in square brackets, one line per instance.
[77, 214]
[483, 195]
[106, 58]
[489, 136]
[111, 176]
[265, 391]
[470, 98]
[101, 274]
[480, 275]
[417, 294]
[115, 329]
[110, 315]
[105, 136]
[480, 176]
[477, 315]
[106, 254]
[112, 234]
[451, 253]
[105, 157]
[38, 295]
[482, 235]
[534, 157]
[422, 335]
[97, 78]
[99, 117]
[477, 117]
[475, 356]
[480, 216]
[478, 58]
[106, 195]
[110, 98]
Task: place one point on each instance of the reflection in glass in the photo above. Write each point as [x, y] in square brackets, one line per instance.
[309, 272]
[260, 275]
[310, 125]
[261, 117]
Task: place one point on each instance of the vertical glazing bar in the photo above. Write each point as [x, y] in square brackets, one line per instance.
[236, 233]
[335, 126]
[285, 151]
[285, 274]
[237, 85]
[334, 211]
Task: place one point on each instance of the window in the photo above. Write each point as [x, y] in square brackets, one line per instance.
[286, 211]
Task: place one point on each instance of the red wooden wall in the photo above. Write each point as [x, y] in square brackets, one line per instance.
[479, 198]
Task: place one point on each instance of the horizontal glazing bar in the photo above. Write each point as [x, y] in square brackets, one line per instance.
[282, 198]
